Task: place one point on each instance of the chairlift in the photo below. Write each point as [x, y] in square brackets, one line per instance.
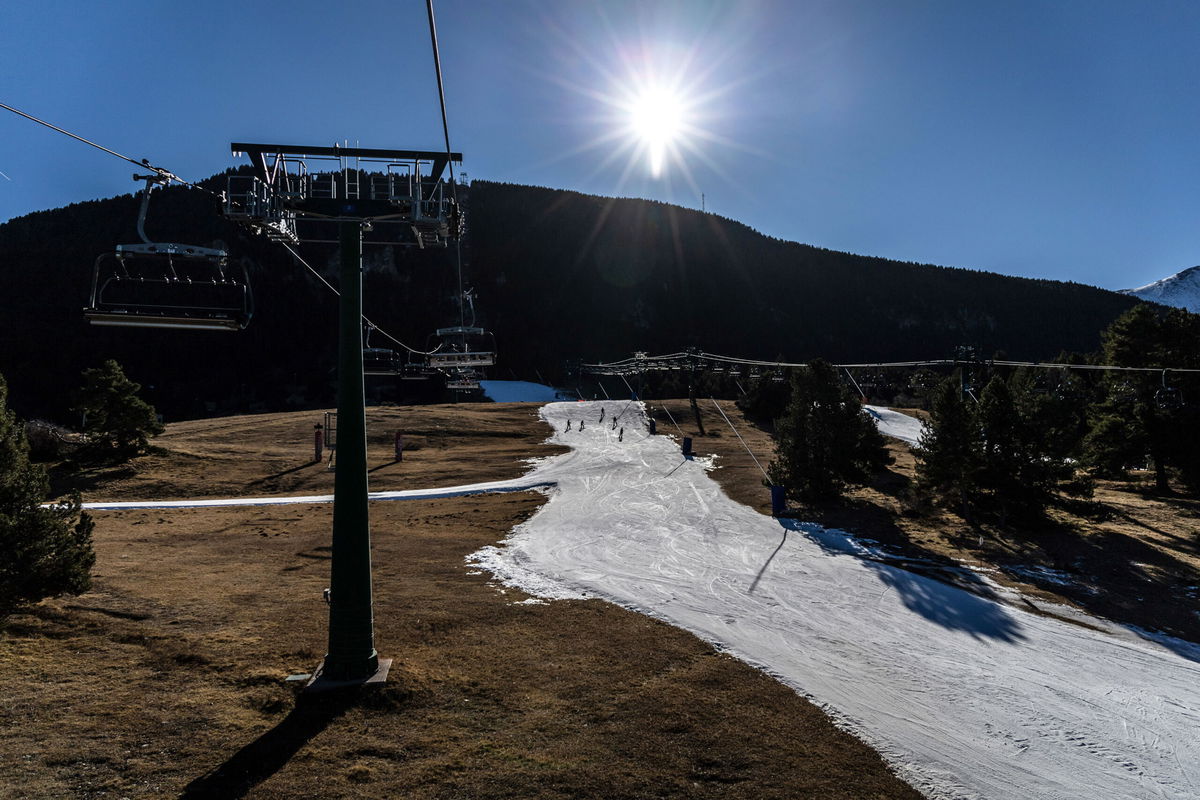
[416, 372]
[378, 360]
[462, 347]
[1168, 398]
[463, 380]
[167, 285]
[381, 361]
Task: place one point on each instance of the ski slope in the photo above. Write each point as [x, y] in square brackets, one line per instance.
[966, 697]
[893, 423]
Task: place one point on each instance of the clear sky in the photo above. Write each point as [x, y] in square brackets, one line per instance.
[1055, 138]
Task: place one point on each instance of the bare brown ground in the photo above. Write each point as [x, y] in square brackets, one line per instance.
[1127, 554]
[166, 680]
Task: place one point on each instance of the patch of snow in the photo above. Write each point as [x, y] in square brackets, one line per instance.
[492, 487]
[1045, 574]
[893, 423]
[966, 696]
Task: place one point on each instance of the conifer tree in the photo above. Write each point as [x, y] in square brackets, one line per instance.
[1022, 463]
[949, 458]
[1139, 419]
[824, 440]
[118, 423]
[43, 551]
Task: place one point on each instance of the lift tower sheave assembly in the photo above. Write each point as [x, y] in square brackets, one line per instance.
[298, 189]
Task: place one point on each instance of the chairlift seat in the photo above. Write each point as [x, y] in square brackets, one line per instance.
[167, 285]
[380, 361]
[127, 319]
[469, 359]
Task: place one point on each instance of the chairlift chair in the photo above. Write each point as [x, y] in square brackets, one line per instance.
[381, 361]
[462, 347]
[167, 285]
[463, 380]
[416, 372]
[1168, 398]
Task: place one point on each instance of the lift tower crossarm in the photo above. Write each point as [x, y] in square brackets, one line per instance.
[258, 154]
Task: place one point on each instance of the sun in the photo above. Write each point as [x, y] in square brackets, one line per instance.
[657, 119]
[655, 107]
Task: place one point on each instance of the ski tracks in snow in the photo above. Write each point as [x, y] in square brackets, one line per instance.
[966, 697]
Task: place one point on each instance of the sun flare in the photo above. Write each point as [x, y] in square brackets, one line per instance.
[657, 119]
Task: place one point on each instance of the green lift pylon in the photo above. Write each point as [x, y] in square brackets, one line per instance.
[352, 658]
[368, 190]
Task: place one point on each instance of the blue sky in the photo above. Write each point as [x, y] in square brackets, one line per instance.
[1049, 139]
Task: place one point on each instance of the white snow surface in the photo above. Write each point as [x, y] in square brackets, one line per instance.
[1181, 290]
[492, 487]
[966, 697]
[893, 423]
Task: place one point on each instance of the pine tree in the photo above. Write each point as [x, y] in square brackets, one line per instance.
[949, 457]
[824, 441]
[117, 423]
[1003, 451]
[1140, 420]
[43, 551]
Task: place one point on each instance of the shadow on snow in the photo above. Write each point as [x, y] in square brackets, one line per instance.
[966, 605]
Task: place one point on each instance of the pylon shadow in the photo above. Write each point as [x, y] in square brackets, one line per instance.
[269, 753]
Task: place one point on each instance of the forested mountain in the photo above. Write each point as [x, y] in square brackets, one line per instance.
[558, 275]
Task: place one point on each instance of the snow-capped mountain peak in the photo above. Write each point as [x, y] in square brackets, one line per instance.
[1181, 290]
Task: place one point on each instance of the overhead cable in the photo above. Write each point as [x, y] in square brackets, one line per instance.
[334, 289]
[437, 67]
[165, 174]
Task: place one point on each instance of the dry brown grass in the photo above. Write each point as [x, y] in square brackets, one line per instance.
[166, 680]
[1127, 554]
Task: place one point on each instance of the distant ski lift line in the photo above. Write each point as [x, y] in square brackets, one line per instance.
[646, 363]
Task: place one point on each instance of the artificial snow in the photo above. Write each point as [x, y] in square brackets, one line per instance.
[492, 487]
[965, 696]
[893, 423]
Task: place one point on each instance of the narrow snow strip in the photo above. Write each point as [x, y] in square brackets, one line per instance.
[965, 696]
[494, 487]
[893, 423]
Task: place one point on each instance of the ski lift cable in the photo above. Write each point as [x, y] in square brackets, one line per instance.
[640, 363]
[372, 325]
[856, 386]
[165, 174]
[437, 67]
[743, 441]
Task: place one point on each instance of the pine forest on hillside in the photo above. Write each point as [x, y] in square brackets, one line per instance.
[560, 276]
